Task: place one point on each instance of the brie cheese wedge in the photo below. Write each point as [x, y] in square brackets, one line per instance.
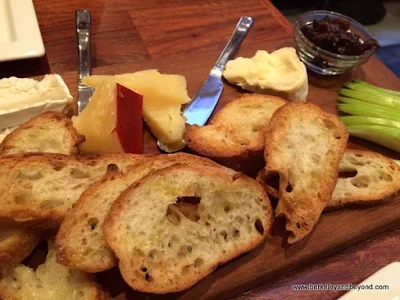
[279, 73]
[23, 98]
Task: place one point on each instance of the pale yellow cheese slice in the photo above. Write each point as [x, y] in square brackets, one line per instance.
[163, 96]
[98, 120]
[157, 89]
[166, 123]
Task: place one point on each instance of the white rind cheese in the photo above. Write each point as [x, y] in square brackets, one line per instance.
[278, 73]
[21, 99]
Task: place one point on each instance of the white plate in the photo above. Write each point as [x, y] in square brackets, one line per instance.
[389, 275]
[20, 36]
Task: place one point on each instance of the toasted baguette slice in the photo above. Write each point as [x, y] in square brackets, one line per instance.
[39, 189]
[80, 241]
[365, 177]
[50, 281]
[304, 146]
[49, 132]
[176, 225]
[15, 245]
[237, 130]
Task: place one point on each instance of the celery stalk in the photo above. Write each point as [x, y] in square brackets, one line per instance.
[376, 88]
[362, 120]
[364, 104]
[362, 86]
[373, 97]
[374, 113]
[385, 136]
[365, 110]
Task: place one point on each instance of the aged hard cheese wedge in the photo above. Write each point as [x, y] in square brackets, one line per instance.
[23, 98]
[279, 73]
[112, 121]
[163, 96]
[158, 89]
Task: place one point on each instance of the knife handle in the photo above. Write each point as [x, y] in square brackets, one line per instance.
[83, 21]
[241, 30]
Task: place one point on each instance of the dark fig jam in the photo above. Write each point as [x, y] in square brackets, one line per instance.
[333, 35]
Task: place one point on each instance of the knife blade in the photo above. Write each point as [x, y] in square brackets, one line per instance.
[203, 103]
[83, 26]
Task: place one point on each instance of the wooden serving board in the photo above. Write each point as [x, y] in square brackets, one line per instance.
[186, 37]
[335, 231]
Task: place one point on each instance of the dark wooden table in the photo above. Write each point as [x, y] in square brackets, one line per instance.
[132, 31]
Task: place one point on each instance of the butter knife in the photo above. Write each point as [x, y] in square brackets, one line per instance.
[203, 103]
[83, 21]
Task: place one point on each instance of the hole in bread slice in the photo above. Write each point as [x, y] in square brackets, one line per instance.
[186, 206]
[272, 179]
[361, 181]
[92, 222]
[272, 191]
[259, 226]
[79, 173]
[348, 173]
[51, 203]
[58, 165]
[31, 174]
[23, 198]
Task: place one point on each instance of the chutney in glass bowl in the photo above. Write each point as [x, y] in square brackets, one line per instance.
[330, 43]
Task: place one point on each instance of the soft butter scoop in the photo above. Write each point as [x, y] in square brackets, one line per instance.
[279, 73]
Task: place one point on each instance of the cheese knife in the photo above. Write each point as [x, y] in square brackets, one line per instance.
[83, 20]
[203, 103]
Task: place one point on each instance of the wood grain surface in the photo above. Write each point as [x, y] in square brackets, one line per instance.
[186, 37]
[352, 265]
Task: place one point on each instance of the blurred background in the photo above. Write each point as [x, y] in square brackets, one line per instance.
[381, 17]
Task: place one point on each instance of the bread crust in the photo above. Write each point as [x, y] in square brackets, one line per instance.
[377, 191]
[304, 145]
[125, 251]
[377, 179]
[30, 173]
[95, 202]
[47, 120]
[236, 132]
[16, 244]
[12, 287]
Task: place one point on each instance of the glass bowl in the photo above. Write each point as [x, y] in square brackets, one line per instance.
[322, 61]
